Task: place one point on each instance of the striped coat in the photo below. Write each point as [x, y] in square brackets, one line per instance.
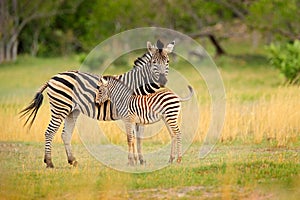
[144, 109]
[71, 93]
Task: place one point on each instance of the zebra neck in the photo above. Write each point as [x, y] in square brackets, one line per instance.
[140, 80]
[120, 97]
[143, 61]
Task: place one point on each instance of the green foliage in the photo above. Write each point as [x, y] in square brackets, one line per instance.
[275, 17]
[95, 20]
[286, 58]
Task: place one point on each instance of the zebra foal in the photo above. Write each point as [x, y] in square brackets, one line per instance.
[144, 109]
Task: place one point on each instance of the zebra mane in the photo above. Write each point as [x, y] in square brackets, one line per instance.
[141, 78]
[116, 79]
[142, 61]
[116, 91]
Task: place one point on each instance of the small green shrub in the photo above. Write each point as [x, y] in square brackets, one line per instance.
[286, 58]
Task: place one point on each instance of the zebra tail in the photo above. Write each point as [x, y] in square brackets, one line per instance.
[190, 95]
[33, 107]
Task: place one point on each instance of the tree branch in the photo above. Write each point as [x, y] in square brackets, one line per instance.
[219, 49]
[233, 8]
[40, 15]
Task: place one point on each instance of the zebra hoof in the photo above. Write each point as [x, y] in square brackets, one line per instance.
[171, 160]
[74, 163]
[131, 163]
[179, 160]
[50, 165]
[142, 162]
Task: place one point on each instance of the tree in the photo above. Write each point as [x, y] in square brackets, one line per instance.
[110, 17]
[15, 15]
[203, 17]
[278, 18]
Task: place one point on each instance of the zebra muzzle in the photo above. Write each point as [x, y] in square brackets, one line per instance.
[162, 80]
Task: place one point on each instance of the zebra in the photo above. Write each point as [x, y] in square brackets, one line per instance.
[144, 109]
[73, 92]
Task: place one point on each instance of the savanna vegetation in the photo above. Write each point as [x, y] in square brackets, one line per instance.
[258, 154]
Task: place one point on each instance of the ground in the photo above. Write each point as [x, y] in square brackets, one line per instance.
[229, 172]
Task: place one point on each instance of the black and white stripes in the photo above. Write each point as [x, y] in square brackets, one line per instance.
[145, 109]
[71, 93]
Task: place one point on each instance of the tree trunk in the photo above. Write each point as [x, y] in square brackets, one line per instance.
[35, 43]
[14, 51]
[14, 39]
[219, 49]
[11, 26]
[3, 25]
[2, 52]
[8, 52]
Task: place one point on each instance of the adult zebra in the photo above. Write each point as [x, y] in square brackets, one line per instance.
[144, 109]
[71, 93]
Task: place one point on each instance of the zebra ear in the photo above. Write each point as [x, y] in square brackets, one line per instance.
[150, 47]
[103, 81]
[170, 47]
[159, 44]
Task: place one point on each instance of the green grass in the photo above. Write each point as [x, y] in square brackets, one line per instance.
[237, 171]
[28, 74]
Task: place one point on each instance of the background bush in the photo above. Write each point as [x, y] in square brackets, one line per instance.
[286, 58]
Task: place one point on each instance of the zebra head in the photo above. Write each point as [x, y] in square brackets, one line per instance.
[114, 90]
[109, 87]
[159, 63]
[103, 91]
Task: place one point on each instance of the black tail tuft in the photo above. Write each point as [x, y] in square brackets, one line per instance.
[32, 109]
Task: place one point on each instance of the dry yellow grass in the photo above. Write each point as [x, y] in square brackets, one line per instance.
[273, 117]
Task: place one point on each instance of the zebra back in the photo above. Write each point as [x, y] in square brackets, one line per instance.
[147, 108]
[72, 90]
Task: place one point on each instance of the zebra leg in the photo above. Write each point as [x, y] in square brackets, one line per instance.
[176, 139]
[175, 135]
[139, 133]
[172, 154]
[132, 158]
[179, 147]
[66, 136]
[134, 148]
[49, 134]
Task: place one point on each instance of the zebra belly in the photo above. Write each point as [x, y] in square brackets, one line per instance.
[103, 112]
[147, 118]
